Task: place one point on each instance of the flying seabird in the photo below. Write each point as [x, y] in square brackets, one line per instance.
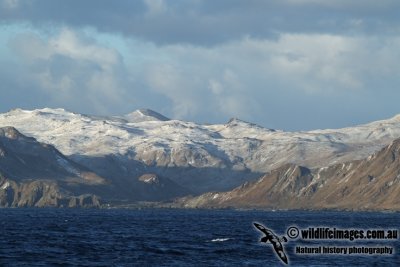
[275, 241]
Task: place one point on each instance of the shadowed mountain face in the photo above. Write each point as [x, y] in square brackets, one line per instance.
[37, 174]
[372, 183]
[23, 158]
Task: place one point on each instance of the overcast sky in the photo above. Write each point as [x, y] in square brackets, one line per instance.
[283, 64]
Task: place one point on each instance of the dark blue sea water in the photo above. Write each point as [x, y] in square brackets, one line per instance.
[163, 237]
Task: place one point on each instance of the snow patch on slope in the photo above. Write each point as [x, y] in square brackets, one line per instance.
[5, 185]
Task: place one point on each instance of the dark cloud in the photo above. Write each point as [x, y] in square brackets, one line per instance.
[210, 22]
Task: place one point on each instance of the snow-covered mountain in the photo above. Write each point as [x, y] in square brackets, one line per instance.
[199, 157]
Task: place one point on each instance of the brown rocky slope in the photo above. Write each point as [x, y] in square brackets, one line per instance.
[369, 184]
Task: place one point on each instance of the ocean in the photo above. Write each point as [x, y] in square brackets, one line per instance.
[175, 237]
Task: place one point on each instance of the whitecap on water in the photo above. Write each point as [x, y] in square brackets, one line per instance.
[220, 239]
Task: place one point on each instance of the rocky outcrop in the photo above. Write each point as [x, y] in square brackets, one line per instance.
[41, 193]
[34, 174]
[369, 184]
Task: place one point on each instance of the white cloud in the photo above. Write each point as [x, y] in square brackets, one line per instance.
[73, 69]
[314, 62]
[179, 85]
[69, 44]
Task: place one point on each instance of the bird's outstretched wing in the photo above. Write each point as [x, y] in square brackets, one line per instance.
[279, 250]
[262, 228]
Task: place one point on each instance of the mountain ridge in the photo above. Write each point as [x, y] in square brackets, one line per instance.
[199, 157]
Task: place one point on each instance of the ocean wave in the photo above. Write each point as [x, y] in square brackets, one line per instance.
[221, 239]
